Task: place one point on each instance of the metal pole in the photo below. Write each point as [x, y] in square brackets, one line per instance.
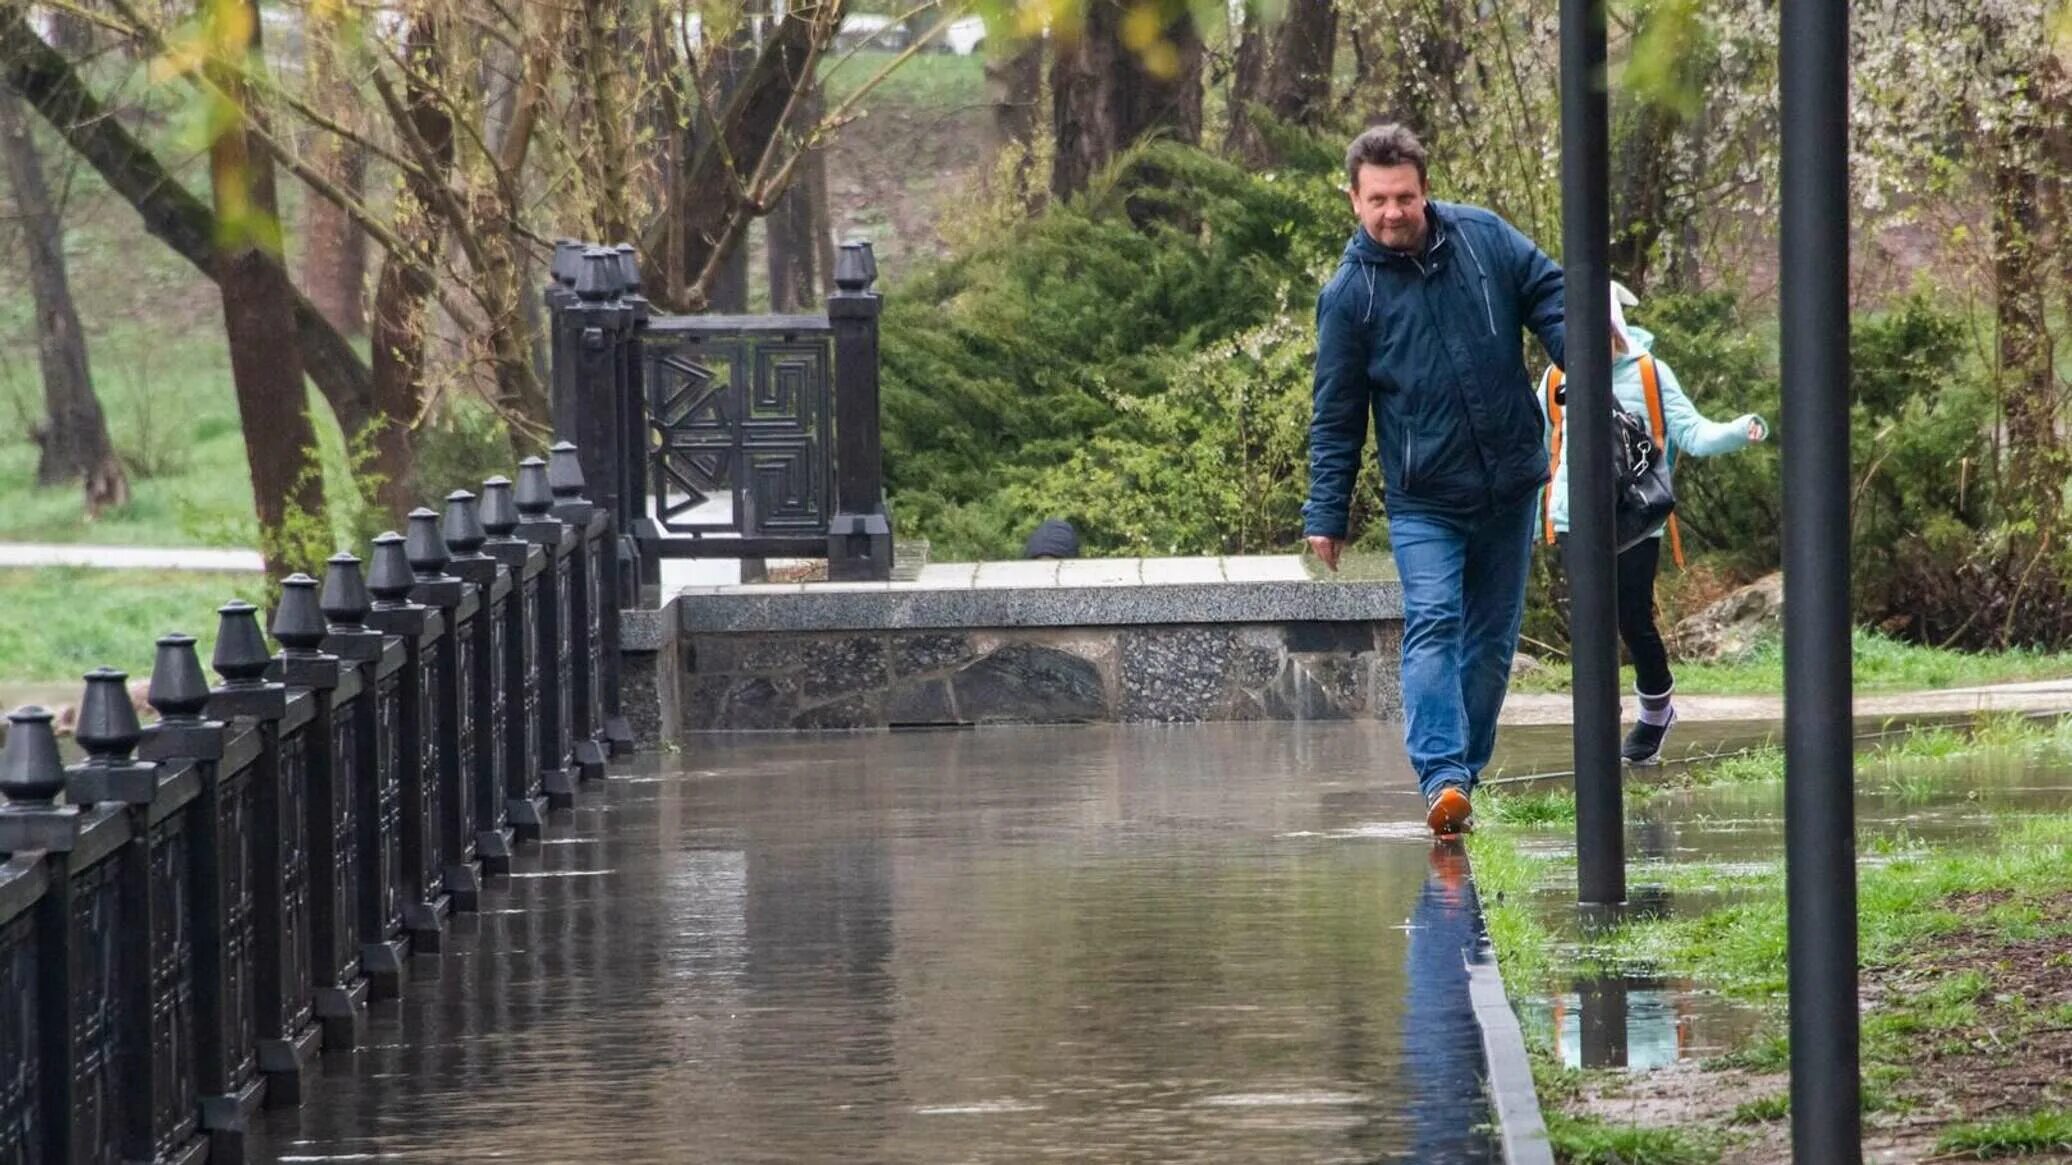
[1592, 559]
[1819, 810]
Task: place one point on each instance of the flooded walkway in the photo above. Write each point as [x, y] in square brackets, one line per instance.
[1216, 943]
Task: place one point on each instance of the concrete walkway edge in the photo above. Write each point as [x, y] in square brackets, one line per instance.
[34, 554]
[1513, 1101]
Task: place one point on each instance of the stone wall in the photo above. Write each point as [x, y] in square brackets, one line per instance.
[881, 679]
[1018, 643]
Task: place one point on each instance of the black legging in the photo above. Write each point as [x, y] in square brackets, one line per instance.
[1637, 568]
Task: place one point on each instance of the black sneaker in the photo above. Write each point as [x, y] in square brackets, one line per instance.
[1644, 744]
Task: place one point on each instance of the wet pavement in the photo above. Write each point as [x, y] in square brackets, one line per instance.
[1104, 944]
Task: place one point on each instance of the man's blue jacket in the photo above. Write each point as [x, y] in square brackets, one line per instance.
[1432, 345]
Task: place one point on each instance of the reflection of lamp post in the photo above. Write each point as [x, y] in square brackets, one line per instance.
[1592, 555]
[1602, 1002]
[1819, 815]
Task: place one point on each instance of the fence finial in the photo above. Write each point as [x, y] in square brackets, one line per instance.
[109, 731]
[426, 547]
[535, 496]
[391, 579]
[857, 267]
[179, 689]
[565, 472]
[499, 508]
[298, 623]
[629, 268]
[462, 525]
[345, 600]
[241, 655]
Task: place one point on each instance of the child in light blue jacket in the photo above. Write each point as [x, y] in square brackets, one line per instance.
[1683, 430]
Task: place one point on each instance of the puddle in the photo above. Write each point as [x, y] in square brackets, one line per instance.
[1722, 843]
[1637, 1023]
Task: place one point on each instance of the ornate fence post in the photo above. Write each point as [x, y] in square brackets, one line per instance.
[637, 572]
[526, 564]
[593, 589]
[491, 819]
[339, 989]
[377, 800]
[459, 603]
[283, 987]
[225, 761]
[859, 539]
[157, 1111]
[418, 740]
[557, 659]
[37, 937]
[559, 295]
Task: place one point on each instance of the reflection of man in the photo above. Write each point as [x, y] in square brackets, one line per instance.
[1441, 1041]
[1421, 327]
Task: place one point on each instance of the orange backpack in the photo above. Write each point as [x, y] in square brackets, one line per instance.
[1651, 388]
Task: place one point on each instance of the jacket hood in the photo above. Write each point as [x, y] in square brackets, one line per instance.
[1638, 340]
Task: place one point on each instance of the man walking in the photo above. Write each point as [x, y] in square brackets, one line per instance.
[1422, 325]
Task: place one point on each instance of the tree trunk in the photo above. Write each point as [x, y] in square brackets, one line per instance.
[258, 322]
[334, 260]
[1642, 190]
[2028, 389]
[1248, 87]
[796, 276]
[403, 291]
[1300, 93]
[1014, 87]
[1284, 70]
[732, 64]
[74, 440]
[513, 307]
[599, 65]
[713, 226]
[1106, 97]
[169, 212]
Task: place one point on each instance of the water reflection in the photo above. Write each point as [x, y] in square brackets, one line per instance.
[1440, 1037]
[1102, 944]
[1636, 1023]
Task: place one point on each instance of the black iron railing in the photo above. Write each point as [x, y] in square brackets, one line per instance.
[193, 913]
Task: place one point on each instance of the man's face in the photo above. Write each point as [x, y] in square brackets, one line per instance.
[1390, 203]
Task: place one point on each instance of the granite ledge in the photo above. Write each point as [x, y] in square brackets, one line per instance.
[643, 630]
[811, 609]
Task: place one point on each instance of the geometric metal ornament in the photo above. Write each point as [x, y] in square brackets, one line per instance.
[740, 425]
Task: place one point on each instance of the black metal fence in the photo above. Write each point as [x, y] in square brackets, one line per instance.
[712, 436]
[196, 909]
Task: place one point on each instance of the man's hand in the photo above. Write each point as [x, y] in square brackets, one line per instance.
[1326, 549]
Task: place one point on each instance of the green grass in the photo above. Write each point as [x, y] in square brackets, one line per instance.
[83, 619]
[1762, 1110]
[1584, 1141]
[2042, 1132]
[1550, 807]
[943, 82]
[1505, 878]
[1737, 948]
[1882, 664]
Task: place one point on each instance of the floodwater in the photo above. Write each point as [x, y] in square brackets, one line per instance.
[1638, 1020]
[1225, 943]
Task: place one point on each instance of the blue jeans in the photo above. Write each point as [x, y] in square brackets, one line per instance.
[1463, 601]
